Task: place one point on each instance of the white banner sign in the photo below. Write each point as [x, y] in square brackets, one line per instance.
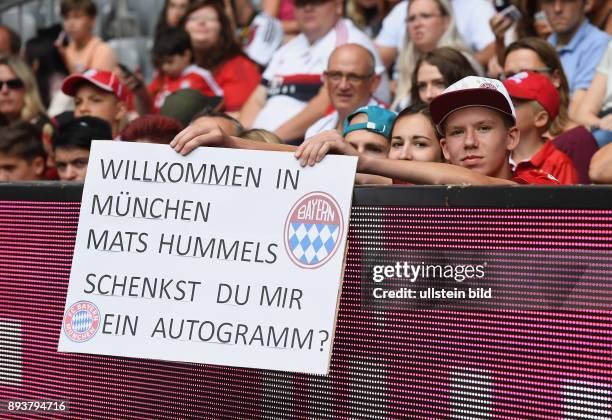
[228, 257]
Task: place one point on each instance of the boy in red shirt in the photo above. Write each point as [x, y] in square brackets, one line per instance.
[173, 52]
[99, 94]
[536, 102]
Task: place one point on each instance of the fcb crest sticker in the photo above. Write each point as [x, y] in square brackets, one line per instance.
[81, 321]
[313, 230]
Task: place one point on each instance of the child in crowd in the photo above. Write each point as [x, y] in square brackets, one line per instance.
[173, 53]
[79, 48]
[368, 130]
[73, 144]
[536, 102]
[22, 155]
[99, 94]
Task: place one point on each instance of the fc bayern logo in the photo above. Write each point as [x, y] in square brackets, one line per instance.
[488, 85]
[313, 230]
[81, 321]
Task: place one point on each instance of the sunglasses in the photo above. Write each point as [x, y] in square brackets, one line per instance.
[13, 84]
[352, 78]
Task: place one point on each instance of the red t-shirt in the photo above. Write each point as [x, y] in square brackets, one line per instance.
[238, 77]
[534, 176]
[553, 161]
[193, 77]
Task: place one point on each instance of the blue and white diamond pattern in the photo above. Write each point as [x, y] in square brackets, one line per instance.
[311, 243]
[82, 321]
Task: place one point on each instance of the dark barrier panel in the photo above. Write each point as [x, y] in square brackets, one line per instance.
[541, 347]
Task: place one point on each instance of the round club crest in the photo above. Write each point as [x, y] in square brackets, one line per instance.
[81, 321]
[313, 230]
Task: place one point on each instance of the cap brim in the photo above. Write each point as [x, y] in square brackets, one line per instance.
[516, 92]
[447, 103]
[178, 103]
[184, 111]
[71, 83]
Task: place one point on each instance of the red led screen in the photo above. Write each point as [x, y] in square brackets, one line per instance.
[541, 349]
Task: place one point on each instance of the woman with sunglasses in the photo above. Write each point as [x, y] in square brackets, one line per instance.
[20, 99]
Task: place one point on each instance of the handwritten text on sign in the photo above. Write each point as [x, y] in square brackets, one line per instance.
[224, 256]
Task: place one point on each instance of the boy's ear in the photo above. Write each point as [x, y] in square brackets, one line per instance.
[39, 165]
[121, 111]
[444, 150]
[375, 83]
[512, 138]
[541, 119]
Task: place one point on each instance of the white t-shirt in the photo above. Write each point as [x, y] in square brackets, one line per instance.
[298, 57]
[605, 68]
[264, 37]
[329, 122]
[471, 16]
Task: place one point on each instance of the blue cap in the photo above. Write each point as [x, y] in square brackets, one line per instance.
[380, 121]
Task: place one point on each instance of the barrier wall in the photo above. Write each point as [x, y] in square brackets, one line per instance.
[540, 348]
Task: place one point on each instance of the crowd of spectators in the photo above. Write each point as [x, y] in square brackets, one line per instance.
[478, 92]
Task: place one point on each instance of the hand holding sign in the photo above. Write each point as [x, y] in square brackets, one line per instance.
[203, 133]
[318, 146]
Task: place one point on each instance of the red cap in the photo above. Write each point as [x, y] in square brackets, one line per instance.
[105, 80]
[535, 87]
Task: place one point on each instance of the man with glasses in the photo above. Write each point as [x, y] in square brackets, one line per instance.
[579, 44]
[291, 97]
[350, 80]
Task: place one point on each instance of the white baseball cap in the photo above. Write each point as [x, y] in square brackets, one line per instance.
[471, 91]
